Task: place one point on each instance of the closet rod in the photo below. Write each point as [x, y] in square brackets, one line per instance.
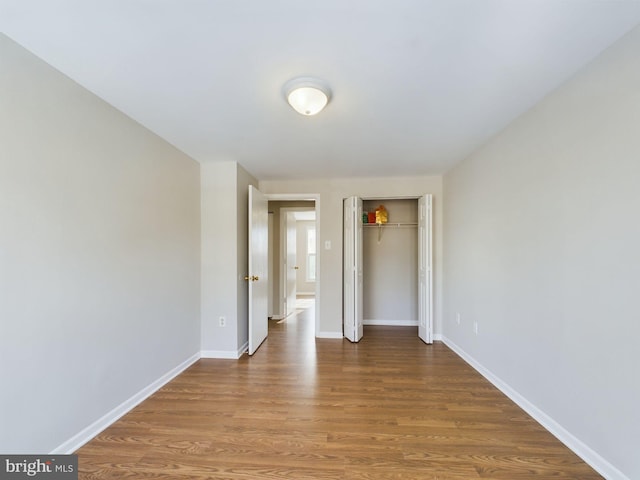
[390, 224]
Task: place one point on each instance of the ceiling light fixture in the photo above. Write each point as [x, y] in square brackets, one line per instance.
[307, 95]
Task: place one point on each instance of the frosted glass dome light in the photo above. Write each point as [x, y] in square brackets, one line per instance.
[308, 96]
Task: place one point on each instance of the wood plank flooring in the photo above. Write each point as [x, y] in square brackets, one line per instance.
[302, 408]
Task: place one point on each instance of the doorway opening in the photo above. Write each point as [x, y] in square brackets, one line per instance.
[294, 258]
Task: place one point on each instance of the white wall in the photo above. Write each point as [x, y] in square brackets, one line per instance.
[542, 249]
[225, 187]
[332, 192]
[219, 246]
[99, 256]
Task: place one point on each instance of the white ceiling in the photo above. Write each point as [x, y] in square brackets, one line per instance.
[417, 84]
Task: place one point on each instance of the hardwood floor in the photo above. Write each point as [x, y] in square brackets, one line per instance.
[301, 408]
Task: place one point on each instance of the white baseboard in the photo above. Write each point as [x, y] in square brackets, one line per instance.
[329, 335]
[392, 323]
[596, 461]
[437, 337]
[228, 354]
[78, 440]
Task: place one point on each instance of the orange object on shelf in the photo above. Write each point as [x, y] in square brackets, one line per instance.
[372, 217]
[382, 216]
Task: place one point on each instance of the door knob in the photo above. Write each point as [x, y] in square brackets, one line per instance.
[246, 278]
[255, 279]
[296, 268]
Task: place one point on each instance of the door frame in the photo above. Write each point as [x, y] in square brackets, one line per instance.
[315, 197]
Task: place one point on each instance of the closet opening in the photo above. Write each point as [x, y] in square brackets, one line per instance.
[390, 264]
[387, 274]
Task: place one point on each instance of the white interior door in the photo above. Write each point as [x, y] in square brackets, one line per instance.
[290, 266]
[425, 271]
[352, 275]
[258, 268]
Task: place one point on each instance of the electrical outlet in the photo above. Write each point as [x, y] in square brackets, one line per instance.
[458, 318]
[222, 321]
[475, 327]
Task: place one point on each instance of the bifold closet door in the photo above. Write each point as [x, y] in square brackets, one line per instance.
[425, 270]
[352, 274]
